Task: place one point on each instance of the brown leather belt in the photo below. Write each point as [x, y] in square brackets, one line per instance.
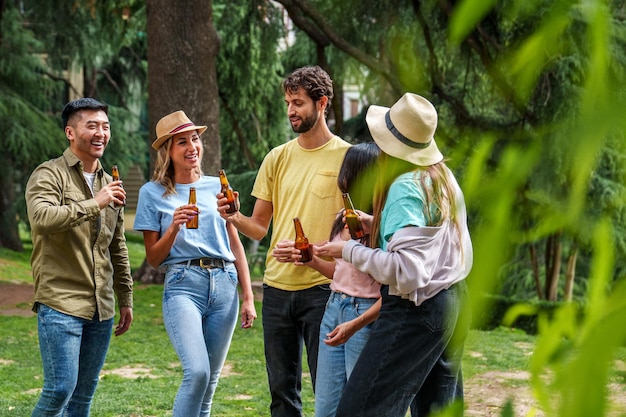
[208, 263]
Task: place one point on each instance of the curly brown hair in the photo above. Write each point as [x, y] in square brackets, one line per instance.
[313, 80]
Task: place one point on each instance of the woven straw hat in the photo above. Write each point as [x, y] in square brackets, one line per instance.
[406, 130]
[172, 124]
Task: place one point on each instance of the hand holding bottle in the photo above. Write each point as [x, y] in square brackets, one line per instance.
[192, 223]
[365, 219]
[184, 214]
[115, 173]
[227, 194]
[224, 204]
[284, 251]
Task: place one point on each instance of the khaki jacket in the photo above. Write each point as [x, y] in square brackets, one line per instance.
[80, 259]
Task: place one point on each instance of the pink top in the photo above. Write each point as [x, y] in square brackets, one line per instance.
[349, 280]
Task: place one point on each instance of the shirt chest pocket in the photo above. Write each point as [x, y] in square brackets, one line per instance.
[324, 184]
[72, 196]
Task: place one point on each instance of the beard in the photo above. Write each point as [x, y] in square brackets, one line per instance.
[306, 123]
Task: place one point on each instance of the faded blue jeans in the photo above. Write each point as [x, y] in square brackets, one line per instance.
[200, 308]
[335, 363]
[412, 358]
[73, 351]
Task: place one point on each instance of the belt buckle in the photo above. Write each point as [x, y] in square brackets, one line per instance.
[210, 263]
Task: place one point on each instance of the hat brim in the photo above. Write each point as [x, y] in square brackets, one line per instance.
[161, 140]
[390, 145]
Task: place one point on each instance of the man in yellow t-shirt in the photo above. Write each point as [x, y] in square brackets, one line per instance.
[296, 179]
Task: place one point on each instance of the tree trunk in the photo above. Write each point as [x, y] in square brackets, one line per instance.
[182, 50]
[146, 274]
[9, 234]
[535, 267]
[570, 274]
[553, 266]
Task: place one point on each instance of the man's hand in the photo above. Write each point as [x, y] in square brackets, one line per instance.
[126, 318]
[223, 205]
[285, 251]
[111, 192]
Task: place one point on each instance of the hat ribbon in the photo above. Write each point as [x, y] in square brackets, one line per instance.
[176, 129]
[408, 142]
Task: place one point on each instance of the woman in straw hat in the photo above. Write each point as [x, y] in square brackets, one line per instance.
[203, 265]
[421, 256]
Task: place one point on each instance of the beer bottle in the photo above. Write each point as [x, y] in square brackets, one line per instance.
[302, 243]
[115, 173]
[228, 192]
[193, 222]
[352, 218]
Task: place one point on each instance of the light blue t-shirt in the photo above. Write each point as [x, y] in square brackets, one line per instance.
[404, 206]
[210, 239]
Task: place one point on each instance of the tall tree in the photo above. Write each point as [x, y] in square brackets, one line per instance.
[182, 52]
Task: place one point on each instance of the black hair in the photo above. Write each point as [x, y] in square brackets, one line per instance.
[314, 80]
[358, 158]
[86, 103]
[355, 176]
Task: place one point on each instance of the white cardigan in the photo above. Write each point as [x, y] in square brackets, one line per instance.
[419, 261]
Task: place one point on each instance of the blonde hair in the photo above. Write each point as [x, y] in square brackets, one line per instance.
[164, 169]
[435, 181]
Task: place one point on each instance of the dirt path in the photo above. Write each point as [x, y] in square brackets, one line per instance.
[16, 299]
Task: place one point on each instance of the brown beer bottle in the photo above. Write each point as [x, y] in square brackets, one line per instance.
[193, 222]
[115, 173]
[228, 192]
[302, 243]
[352, 218]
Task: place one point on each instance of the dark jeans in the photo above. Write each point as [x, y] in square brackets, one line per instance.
[289, 319]
[411, 359]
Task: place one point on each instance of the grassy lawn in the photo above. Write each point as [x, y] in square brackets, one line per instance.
[142, 373]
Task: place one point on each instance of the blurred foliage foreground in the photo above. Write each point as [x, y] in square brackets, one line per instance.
[576, 343]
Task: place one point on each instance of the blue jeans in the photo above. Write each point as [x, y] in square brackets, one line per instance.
[289, 319]
[200, 308]
[335, 363]
[73, 351]
[412, 358]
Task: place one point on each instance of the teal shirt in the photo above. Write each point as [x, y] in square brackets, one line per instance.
[404, 206]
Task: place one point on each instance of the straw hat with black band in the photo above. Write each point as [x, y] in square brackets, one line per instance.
[406, 130]
[172, 124]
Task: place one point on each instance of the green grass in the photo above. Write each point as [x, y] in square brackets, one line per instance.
[242, 390]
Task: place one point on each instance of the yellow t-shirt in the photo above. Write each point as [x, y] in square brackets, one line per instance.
[300, 183]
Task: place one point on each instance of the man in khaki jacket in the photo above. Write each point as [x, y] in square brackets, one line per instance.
[79, 260]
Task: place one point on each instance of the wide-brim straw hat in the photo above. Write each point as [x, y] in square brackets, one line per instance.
[172, 124]
[406, 130]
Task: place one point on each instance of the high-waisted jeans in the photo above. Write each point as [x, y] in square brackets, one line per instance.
[200, 308]
[73, 351]
[411, 359]
[335, 363]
